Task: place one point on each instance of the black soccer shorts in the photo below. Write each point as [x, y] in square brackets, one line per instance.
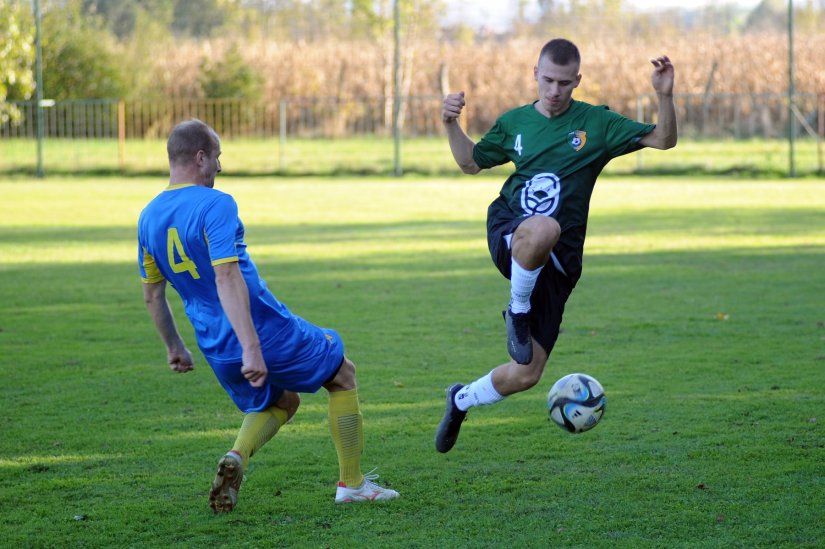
[553, 286]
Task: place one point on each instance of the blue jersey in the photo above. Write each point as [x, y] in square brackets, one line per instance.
[182, 234]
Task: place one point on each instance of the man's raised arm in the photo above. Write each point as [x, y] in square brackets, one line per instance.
[460, 143]
[664, 135]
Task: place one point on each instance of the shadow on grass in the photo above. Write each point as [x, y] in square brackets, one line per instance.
[686, 220]
[53, 314]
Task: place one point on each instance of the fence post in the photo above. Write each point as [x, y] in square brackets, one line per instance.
[396, 89]
[121, 134]
[821, 127]
[791, 97]
[281, 134]
[39, 89]
[640, 116]
[737, 134]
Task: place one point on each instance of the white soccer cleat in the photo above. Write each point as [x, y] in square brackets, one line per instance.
[368, 491]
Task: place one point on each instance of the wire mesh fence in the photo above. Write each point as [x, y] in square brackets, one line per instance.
[302, 117]
[741, 116]
[114, 135]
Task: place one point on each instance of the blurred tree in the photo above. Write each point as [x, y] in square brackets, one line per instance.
[192, 18]
[546, 6]
[315, 20]
[16, 56]
[460, 33]
[720, 19]
[231, 77]
[809, 18]
[79, 59]
[768, 15]
[122, 16]
[201, 18]
[374, 19]
[149, 41]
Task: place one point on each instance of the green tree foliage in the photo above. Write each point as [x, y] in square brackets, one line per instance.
[809, 17]
[79, 56]
[203, 18]
[769, 15]
[16, 56]
[231, 77]
[317, 20]
[578, 19]
[150, 40]
[772, 16]
[303, 20]
[197, 19]
[720, 19]
[123, 17]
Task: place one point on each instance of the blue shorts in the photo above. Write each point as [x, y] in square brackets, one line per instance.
[305, 372]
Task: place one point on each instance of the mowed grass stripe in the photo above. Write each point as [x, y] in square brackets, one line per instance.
[700, 311]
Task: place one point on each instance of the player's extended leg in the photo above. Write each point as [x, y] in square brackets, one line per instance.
[502, 381]
[531, 245]
[346, 428]
[256, 430]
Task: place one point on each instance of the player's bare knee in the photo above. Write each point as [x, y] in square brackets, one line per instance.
[344, 380]
[290, 402]
[546, 230]
[536, 236]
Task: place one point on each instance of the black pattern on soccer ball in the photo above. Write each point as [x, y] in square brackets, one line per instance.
[576, 403]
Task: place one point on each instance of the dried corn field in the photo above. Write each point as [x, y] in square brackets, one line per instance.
[498, 75]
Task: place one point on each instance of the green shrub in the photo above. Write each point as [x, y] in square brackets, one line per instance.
[79, 56]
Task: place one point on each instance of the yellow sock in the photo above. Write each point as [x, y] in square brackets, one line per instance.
[346, 427]
[257, 429]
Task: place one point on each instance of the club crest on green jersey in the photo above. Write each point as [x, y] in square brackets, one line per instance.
[540, 195]
[577, 139]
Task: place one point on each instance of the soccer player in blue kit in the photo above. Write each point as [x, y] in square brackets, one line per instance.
[190, 235]
[536, 226]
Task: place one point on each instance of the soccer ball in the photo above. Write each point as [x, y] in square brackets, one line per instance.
[576, 402]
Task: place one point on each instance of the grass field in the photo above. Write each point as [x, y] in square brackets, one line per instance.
[701, 311]
[756, 158]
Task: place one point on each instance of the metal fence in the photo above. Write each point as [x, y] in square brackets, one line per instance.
[303, 117]
[705, 116]
[320, 135]
[741, 116]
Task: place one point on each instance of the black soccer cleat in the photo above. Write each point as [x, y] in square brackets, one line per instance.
[447, 432]
[519, 341]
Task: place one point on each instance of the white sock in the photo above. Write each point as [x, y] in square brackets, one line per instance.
[522, 283]
[477, 393]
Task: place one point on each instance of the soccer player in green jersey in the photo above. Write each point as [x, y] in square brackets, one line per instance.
[536, 226]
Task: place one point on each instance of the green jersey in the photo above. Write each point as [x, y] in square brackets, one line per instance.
[557, 161]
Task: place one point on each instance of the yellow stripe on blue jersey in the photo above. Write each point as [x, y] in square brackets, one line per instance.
[150, 274]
